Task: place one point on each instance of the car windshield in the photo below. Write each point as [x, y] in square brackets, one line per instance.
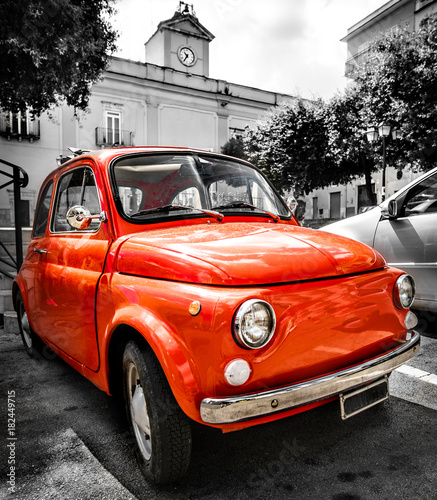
[148, 187]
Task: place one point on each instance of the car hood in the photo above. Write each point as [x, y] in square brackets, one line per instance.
[241, 254]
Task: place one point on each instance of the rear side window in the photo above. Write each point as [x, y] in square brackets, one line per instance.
[42, 211]
[76, 187]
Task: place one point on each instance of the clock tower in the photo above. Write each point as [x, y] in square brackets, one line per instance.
[181, 43]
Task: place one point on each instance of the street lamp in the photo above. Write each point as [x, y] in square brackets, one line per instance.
[383, 130]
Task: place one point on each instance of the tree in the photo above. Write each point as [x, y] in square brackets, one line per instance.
[304, 145]
[234, 147]
[289, 145]
[351, 153]
[51, 51]
[398, 84]
[313, 145]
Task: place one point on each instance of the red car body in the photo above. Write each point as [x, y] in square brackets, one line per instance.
[175, 281]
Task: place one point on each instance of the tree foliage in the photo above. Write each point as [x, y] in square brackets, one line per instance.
[309, 145]
[398, 84]
[290, 144]
[234, 147]
[51, 51]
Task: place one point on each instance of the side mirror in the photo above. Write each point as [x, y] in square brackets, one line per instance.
[391, 210]
[291, 203]
[80, 218]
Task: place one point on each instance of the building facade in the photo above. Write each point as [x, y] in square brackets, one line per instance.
[343, 201]
[169, 100]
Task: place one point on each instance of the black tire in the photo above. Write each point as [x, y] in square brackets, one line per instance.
[162, 431]
[31, 342]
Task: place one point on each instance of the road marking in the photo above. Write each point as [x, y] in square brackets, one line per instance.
[420, 374]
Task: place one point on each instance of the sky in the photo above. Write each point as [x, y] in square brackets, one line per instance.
[285, 46]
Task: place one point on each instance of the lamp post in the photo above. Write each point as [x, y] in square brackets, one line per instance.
[383, 130]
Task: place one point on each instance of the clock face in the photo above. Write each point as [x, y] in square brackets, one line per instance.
[186, 56]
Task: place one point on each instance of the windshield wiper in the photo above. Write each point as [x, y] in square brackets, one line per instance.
[242, 204]
[170, 208]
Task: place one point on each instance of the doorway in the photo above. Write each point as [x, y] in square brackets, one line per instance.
[335, 205]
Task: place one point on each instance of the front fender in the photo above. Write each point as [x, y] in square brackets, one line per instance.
[170, 350]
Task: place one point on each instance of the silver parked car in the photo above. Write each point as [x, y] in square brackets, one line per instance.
[404, 230]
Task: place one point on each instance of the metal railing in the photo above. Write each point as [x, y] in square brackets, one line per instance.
[107, 137]
[19, 179]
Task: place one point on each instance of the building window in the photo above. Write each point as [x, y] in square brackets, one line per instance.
[113, 127]
[111, 133]
[19, 125]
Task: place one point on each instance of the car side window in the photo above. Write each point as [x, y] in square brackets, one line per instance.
[76, 187]
[42, 211]
[422, 198]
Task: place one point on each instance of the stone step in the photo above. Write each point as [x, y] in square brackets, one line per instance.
[10, 324]
[5, 301]
[8, 316]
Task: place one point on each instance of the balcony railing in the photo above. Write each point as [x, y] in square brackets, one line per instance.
[107, 137]
[19, 128]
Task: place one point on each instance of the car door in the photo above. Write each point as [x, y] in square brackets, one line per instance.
[31, 268]
[71, 263]
[409, 241]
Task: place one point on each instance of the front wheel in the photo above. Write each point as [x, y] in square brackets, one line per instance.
[162, 431]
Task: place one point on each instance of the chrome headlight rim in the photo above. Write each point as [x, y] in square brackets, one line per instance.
[404, 299]
[240, 336]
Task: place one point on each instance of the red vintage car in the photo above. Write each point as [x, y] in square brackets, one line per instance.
[181, 279]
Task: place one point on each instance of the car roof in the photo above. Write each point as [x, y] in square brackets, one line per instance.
[102, 157]
[106, 155]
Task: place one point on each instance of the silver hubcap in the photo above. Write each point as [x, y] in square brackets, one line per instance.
[139, 413]
[27, 335]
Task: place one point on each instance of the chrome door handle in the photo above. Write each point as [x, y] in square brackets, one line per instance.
[39, 250]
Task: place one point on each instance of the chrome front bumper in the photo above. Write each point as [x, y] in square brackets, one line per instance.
[239, 408]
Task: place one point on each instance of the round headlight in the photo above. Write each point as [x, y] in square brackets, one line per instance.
[404, 292]
[254, 324]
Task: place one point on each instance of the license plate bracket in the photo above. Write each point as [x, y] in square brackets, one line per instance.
[363, 398]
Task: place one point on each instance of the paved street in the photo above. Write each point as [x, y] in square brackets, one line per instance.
[72, 443]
